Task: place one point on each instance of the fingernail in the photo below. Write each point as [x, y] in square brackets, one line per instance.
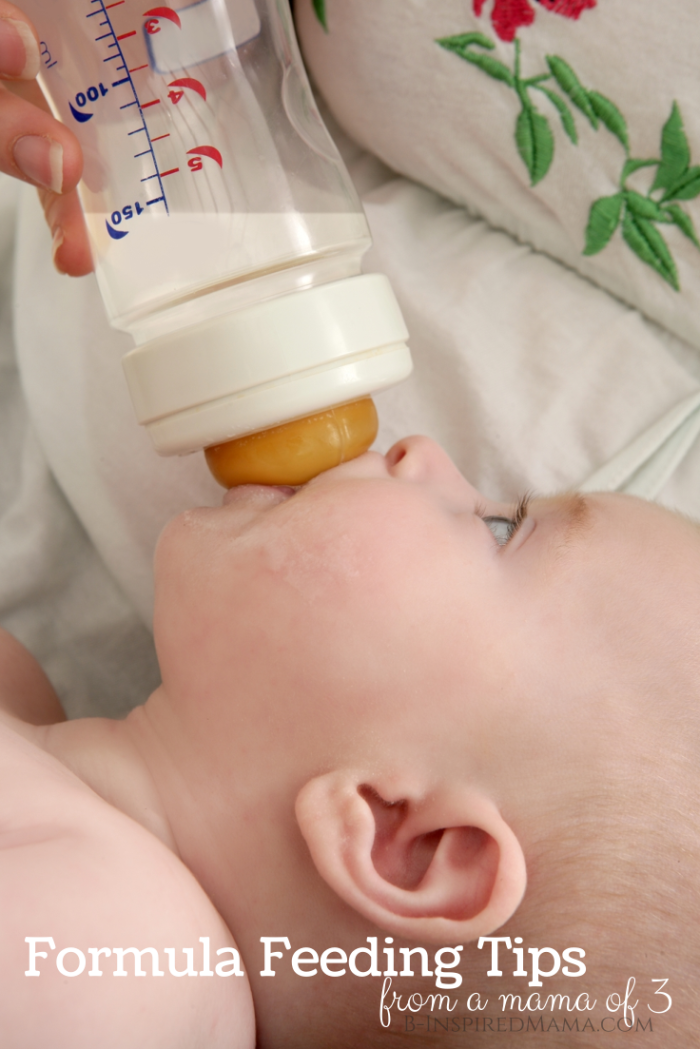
[55, 245]
[19, 54]
[41, 160]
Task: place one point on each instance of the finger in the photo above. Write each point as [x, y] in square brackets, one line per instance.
[19, 48]
[71, 250]
[64, 216]
[62, 211]
[36, 148]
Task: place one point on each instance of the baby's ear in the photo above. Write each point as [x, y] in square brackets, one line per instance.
[440, 866]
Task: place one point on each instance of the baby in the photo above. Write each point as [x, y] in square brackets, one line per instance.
[389, 708]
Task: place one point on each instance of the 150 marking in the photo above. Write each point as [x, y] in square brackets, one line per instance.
[116, 217]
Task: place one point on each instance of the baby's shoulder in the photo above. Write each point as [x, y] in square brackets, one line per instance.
[95, 894]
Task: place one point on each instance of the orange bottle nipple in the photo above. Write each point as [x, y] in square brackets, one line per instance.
[296, 451]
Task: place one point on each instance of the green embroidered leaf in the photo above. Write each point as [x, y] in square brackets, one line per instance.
[572, 86]
[631, 166]
[647, 243]
[320, 9]
[535, 142]
[684, 223]
[462, 41]
[687, 187]
[608, 113]
[492, 66]
[564, 112]
[462, 45]
[675, 152]
[644, 207]
[603, 220]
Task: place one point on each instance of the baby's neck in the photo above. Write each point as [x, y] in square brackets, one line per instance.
[108, 756]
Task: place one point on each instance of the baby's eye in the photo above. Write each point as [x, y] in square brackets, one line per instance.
[502, 528]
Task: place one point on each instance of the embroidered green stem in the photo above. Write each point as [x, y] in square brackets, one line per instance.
[533, 135]
[636, 214]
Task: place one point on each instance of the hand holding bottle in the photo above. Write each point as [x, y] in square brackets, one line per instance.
[35, 147]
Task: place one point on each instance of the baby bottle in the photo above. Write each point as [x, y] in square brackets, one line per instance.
[226, 234]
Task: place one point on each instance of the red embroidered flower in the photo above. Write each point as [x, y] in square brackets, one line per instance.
[509, 15]
[568, 8]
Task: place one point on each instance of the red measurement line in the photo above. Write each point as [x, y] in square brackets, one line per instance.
[136, 68]
[125, 35]
[159, 137]
[155, 102]
[115, 4]
[173, 171]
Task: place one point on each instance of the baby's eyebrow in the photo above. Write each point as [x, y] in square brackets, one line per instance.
[575, 520]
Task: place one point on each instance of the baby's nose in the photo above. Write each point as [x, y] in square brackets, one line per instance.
[421, 460]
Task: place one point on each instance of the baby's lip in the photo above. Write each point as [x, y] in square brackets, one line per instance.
[270, 493]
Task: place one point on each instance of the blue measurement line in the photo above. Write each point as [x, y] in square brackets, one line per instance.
[117, 83]
[92, 15]
[141, 154]
[135, 102]
[156, 200]
[104, 35]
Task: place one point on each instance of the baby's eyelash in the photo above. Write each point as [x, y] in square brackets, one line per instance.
[511, 524]
[521, 510]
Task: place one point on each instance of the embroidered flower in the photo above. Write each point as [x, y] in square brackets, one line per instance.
[508, 16]
[568, 8]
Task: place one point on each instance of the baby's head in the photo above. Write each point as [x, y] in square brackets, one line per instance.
[398, 708]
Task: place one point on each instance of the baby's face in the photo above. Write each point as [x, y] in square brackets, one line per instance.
[339, 615]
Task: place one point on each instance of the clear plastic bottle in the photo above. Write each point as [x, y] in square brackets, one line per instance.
[226, 233]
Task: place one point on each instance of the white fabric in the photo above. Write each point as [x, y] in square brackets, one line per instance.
[530, 375]
[447, 124]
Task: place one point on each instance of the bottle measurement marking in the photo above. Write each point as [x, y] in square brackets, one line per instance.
[127, 79]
